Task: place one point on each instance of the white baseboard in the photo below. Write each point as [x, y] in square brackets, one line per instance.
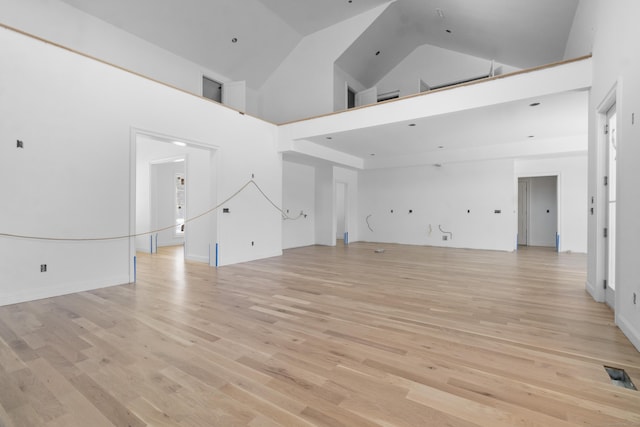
[598, 297]
[631, 332]
[237, 260]
[58, 290]
[197, 258]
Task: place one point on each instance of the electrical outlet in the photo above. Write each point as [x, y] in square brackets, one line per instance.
[445, 237]
[43, 268]
[252, 243]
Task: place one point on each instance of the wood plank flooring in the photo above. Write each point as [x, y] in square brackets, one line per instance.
[343, 336]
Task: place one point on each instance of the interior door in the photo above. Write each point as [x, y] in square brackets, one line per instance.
[367, 97]
[234, 94]
[610, 244]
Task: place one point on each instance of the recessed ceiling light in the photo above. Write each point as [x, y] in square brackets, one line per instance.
[412, 124]
[534, 104]
[234, 40]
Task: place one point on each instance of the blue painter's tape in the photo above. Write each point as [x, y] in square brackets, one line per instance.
[346, 238]
[216, 254]
[150, 244]
[557, 242]
[135, 268]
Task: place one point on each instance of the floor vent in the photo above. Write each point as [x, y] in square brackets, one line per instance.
[620, 378]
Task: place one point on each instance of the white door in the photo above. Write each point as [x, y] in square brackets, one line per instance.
[234, 94]
[523, 211]
[610, 244]
[367, 97]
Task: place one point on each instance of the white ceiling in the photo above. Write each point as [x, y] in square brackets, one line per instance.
[558, 116]
[202, 30]
[521, 33]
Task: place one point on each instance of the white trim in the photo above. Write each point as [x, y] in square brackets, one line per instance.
[214, 165]
[599, 293]
[65, 289]
[631, 332]
[591, 289]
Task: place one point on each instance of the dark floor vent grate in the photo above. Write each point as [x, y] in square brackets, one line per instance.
[620, 378]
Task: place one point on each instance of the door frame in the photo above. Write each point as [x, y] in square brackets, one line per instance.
[214, 166]
[597, 197]
[525, 181]
[610, 240]
[558, 176]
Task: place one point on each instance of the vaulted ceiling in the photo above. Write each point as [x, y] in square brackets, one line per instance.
[249, 39]
[521, 33]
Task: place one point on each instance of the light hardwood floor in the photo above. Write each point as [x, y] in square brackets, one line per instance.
[344, 336]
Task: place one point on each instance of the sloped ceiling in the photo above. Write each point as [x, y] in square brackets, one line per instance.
[519, 33]
[202, 30]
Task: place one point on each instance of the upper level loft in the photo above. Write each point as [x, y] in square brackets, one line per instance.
[531, 112]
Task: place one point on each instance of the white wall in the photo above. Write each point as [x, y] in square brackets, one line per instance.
[60, 23]
[582, 32]
[324, 204]
[298, 195]
[435, 66]
[612, 27]
[572, 196]
[74, 175]
[441, 196]
[303, 86]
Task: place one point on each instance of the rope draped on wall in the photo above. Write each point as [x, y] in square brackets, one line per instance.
[146, 233]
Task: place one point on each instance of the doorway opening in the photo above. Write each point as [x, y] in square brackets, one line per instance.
[211, 89]
[342, 230]
[351, 98]
[538, 211]
[167, 198]
[173, 181]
